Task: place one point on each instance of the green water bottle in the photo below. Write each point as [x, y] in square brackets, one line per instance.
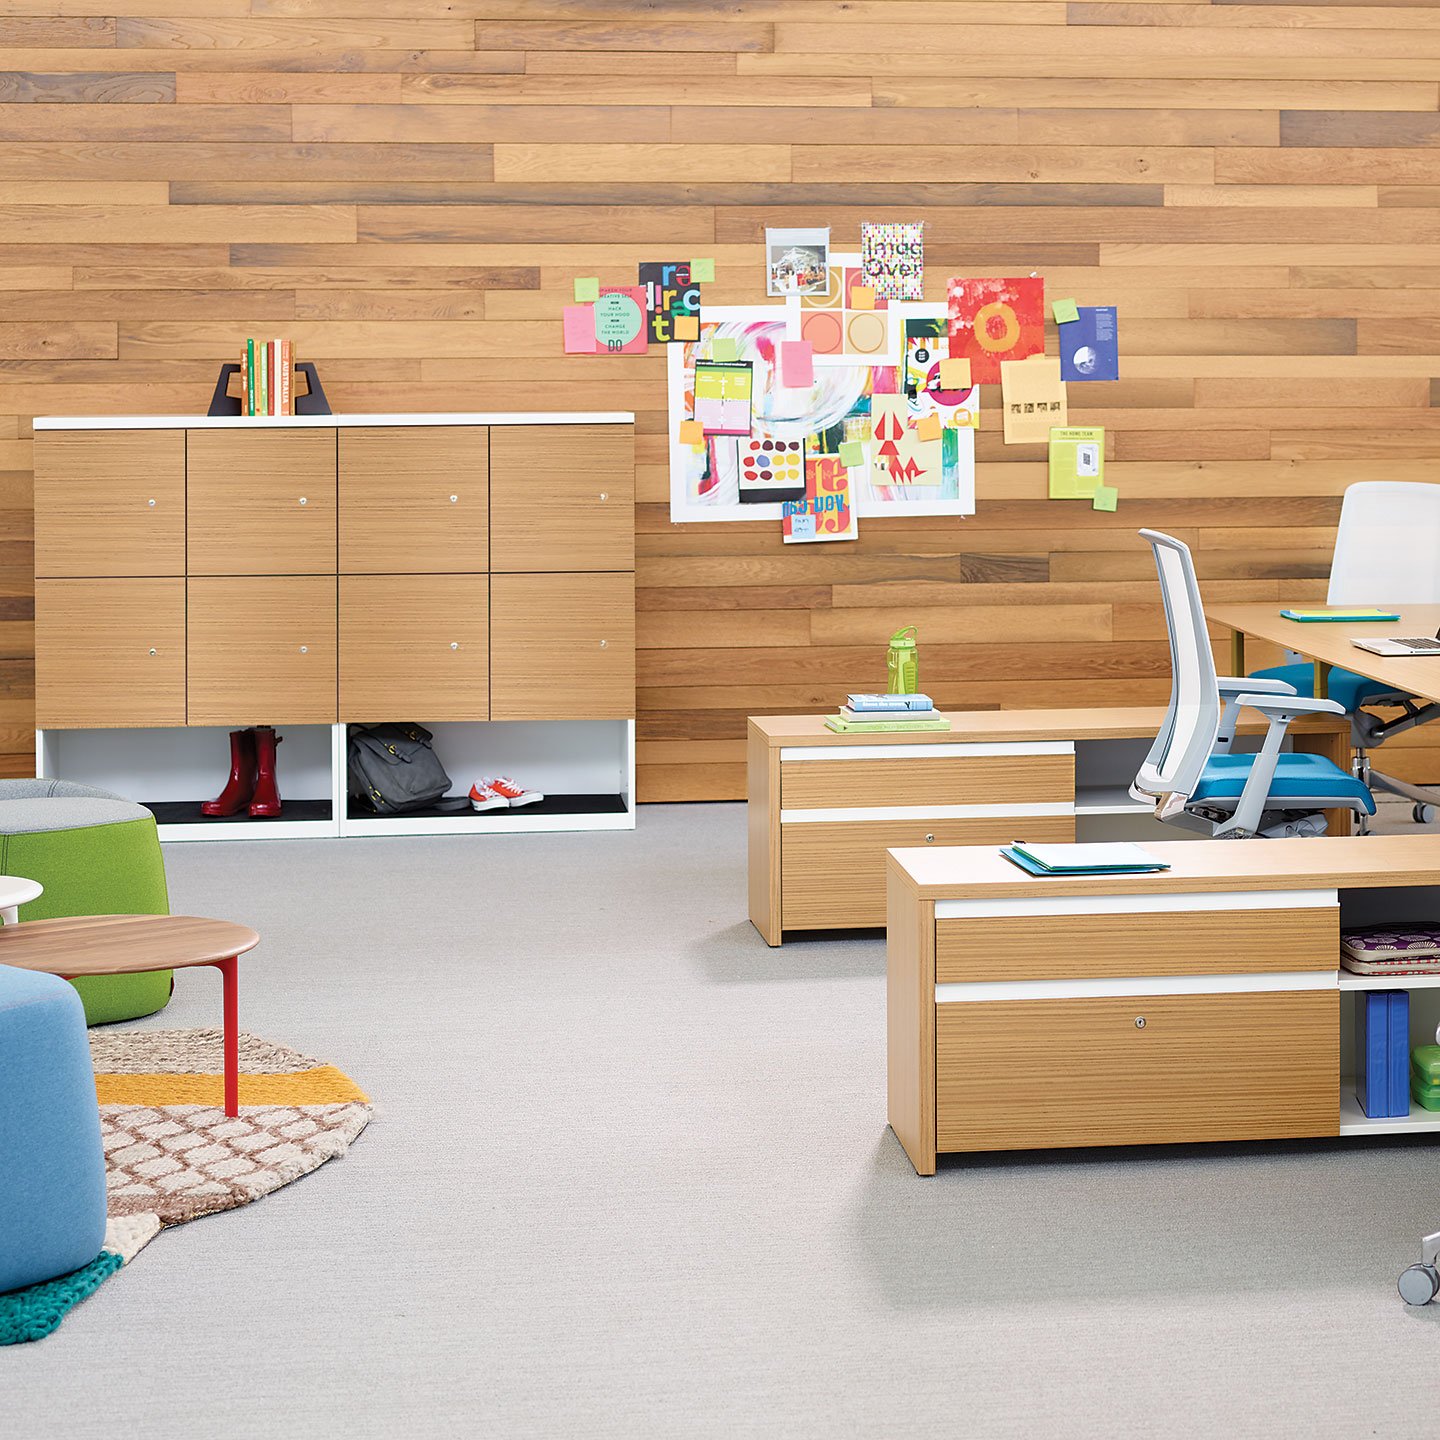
[902, 663]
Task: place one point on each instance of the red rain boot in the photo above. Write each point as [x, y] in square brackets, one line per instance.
[241, 784]
[266, 800]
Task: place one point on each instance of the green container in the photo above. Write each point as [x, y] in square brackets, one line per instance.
[902, 663]
[1425, 1076]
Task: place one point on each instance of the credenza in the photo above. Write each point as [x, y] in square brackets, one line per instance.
[1204, 1002]
[472, 572]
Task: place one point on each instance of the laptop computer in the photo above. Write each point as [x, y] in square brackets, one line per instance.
[1401, 645]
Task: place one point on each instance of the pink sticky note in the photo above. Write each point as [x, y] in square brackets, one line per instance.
[796, 363]
[579, 329]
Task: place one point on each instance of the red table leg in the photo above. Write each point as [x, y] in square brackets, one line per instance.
[230, 982]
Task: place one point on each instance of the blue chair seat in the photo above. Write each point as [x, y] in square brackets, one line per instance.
[1297, 777]
[1348, 689]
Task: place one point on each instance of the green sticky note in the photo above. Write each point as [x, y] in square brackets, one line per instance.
[701, 271]
[587, 288]
[852, 453]
[724, 347]
[1106, 497]
[1065, 311]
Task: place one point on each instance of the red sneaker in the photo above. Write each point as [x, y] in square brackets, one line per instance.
[514, 795]
[482, 797]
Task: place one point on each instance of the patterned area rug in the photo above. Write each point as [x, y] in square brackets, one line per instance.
[172, 1154]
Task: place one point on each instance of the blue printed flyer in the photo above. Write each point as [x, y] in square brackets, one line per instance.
[1090, 346]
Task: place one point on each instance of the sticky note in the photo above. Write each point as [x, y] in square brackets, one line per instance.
[579, 330]
[797, 367]
[862, 297]
[1065, 311]
[928, 427]
[852, 453]
[587, 287]
[701, 271]
[724, 347]
[1106, 497]
[686, 327]
[955, 373]
[692, 432]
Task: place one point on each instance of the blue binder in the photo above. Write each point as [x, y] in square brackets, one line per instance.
[1398, 1059]
[1372, 1047]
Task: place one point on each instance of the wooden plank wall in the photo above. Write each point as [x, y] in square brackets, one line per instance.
[408, 189]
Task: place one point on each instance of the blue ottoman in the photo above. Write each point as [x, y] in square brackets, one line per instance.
[52, 1168]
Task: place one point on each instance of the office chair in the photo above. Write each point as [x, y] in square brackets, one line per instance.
[1387, 552]
[1190, 774]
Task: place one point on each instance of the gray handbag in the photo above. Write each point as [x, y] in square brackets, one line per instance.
[392, 768]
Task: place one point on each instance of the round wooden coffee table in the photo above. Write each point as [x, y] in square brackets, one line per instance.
[82, 945]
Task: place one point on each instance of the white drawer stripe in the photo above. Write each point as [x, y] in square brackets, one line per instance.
[1162, 904]
[958, 992]
[925, 812]
[977, 750]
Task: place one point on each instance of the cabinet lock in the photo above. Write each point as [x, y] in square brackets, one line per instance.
[929, 839]
[1139, 1022]
[454, 644]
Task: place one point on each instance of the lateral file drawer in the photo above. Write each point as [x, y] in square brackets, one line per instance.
[833, 873]
[1037, 1074]
[957, 778]
[1057, 942]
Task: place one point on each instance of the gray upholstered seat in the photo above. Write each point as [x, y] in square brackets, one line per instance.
[28, 807]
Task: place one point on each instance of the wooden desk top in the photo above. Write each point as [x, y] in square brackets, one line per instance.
[121, 944]
[1330, 643]
[1335, 862]
[973, 726]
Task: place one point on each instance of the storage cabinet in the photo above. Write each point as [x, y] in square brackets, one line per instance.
[562, 498]
[562, 645]
[110, 503]
[414, 500]
[261, 502]
[262, 650]
[110, 653]
[414, 643]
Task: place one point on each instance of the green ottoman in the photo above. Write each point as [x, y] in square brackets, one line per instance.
[95, 854]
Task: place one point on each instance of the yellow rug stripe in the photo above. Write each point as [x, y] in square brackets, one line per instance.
[324, 1085]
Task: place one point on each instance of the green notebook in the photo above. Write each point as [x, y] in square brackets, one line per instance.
[1340, 614]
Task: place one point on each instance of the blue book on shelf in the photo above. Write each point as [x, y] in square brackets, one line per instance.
[890, 702]
[1398, 1059]
[1372, 1049]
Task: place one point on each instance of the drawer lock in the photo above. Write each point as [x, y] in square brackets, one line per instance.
[1139, 1022]
[929, 839]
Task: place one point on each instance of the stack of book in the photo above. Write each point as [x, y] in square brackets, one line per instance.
[878, 714]
[267, 378]
[1382, 1054]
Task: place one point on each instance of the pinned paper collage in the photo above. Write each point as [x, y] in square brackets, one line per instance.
[664, 307]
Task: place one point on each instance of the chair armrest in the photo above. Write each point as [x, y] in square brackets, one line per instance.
[1289, 707]
[1254, 685]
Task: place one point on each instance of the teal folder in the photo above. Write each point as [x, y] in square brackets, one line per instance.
[1339, 616]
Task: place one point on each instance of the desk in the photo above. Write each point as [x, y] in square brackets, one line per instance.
[1202, 1003]
[1327, 644]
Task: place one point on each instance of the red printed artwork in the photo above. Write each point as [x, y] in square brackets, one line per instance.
[995, 320]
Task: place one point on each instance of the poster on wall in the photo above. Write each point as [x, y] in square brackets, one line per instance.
[620, 327]
[797, 262]
[850, 323]
[892, 256]
[996, 320]
[824, 511]
[830, 416]
[670, 295]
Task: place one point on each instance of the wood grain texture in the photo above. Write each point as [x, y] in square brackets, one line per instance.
[940, 780]
[763, 832]
[1203, 1067]
[410, 191]
[910, 1023]
[121, 944]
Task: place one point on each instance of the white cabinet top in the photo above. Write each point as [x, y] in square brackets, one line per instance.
[324, 422]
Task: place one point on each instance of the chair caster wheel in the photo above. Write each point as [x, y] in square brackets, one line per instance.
[1418, 1284]
[1423, 814]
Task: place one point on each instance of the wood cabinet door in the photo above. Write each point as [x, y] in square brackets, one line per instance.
[261, 502]
[109, 653]
[562, 647]
[262, 650]
[414, 499]
[562, 497]
[109, 502]
[414, 647]
[1036, 1074]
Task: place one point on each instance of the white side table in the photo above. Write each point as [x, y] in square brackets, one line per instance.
[15, 892]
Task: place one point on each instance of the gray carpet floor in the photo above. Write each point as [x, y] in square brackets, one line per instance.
[630, 1177]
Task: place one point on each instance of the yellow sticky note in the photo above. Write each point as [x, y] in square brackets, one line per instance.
[955, 373]
[1065, 311]
[1106, 497]
[928, 427]
[724, 347]
[852, 454]
[686, 327]
[862, 297]
[701, 271]
[587, 287]
[692, 432]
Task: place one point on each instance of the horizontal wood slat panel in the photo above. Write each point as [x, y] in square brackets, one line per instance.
[938, 780]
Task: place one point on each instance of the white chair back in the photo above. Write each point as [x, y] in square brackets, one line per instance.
[1387, 549]
[1187, 738]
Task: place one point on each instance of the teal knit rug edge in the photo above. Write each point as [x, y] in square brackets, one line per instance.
[32, 1313]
